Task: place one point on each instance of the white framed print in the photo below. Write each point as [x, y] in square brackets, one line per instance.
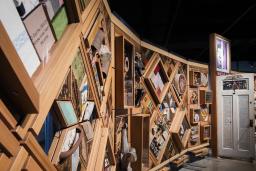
[222, 51]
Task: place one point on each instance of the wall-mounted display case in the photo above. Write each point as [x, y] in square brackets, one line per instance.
[205, 97]
[193, 97]
[205, 132]
[124, 75]
[157, 80]
[180, 129]
[195, 116]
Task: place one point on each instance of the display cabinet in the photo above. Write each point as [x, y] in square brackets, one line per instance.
[171, 150]
[159, 137]
[193, 97]
[195, 116]
[180, 129]
[124, 73]
[205, 132]
[157, 80]
[195, 135]
[140, 140]
[205, 97]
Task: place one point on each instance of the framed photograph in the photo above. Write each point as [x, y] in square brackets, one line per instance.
[195, 78]
[205, 132]
[222, 51]
[204, 79]
[195, 135]
[204, 114]
[194, 97]
[195, 116]
[205, 97]
[78, 68]
[66, 112]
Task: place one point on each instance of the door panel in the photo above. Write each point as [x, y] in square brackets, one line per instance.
[243, 132]
[228, 122]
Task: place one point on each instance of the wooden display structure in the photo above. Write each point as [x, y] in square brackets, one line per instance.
[112, 92]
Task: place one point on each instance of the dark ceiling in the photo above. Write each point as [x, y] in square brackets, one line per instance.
[183, 26]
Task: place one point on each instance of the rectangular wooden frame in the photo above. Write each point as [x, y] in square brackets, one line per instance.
[150, 86]
[204, 97]
[119, 72]
[21, 82]
[202, 132]
[175, 129]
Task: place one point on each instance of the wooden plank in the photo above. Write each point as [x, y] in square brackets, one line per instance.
[200, 65]
[213, 75]
[8, 141]
[6, 116]
[124, 28]
[19, 160]
[17, 83]
[21, 130]
[35, 150]
[97, 154]
[5, 162]
[163, 52]
[31, 165]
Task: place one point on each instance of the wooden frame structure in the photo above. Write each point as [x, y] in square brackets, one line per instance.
[171, 106]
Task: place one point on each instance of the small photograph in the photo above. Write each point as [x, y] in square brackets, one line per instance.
[193, 96]
[197, 78]
[222, 54]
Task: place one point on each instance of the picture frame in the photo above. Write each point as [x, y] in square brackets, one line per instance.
[66, 112]
[204, 79]
[205, 132]
[195, 78]
[193, 98]
[205, 97]
[157, 80]
[78, 68]
[204, 114]
[195, 135]
[222, 53]
[180, 129]
[195, 116]
[66, 90]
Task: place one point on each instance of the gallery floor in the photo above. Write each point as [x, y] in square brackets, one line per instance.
[219, 164]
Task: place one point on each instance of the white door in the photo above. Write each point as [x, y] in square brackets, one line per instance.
[235, 110]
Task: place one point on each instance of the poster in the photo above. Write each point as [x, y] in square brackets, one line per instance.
[40, 32]
[222, 55]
